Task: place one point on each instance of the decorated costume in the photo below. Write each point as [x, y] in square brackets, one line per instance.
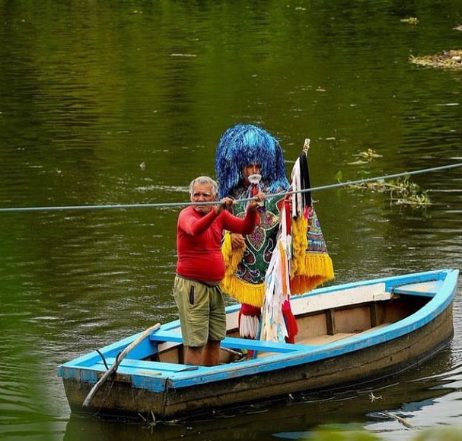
[308, 263]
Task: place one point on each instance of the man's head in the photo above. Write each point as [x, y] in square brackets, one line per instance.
[203, 189]
[243, 145]
[250, 170]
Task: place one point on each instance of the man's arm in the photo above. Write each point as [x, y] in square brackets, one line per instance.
[250, 221]
[193, 225]
[235, 224]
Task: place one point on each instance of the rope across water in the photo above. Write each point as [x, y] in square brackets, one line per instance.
[269, 196]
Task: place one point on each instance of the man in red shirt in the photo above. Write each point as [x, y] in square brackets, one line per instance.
[201, 267]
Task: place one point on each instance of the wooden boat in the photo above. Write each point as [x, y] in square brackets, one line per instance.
[348, 334]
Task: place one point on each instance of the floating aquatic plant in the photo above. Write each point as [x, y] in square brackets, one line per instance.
[402, 191]
[405, 192]
[451, 59]
[410, 20]
[365, 157]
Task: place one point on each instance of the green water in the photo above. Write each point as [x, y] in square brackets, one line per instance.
[124, 101]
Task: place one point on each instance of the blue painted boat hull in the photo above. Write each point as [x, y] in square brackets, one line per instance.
[348, 334]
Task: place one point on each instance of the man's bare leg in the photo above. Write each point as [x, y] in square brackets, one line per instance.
[194, 355]
[212, 353]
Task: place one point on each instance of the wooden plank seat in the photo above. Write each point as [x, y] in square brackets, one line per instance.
[423, 289]
[258, 345]
[149, 365]
[233, 343]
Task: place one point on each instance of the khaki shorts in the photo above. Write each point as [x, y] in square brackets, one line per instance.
[202, 311]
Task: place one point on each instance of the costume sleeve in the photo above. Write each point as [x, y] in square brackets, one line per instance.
[238, 225]
[192, 225]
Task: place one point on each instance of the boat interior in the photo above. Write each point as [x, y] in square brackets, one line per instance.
[321, 319]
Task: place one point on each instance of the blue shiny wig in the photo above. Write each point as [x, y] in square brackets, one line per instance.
[245, 144]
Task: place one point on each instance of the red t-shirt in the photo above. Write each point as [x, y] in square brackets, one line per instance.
[198, 241]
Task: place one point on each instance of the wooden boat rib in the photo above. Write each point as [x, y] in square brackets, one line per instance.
[347, 334]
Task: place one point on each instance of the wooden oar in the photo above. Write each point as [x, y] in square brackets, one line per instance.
[116, 364]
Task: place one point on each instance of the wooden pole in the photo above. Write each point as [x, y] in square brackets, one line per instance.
[122, 355]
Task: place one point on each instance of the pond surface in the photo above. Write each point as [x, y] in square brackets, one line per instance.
[124, 101]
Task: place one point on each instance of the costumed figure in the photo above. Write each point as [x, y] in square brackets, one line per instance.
[287, 225]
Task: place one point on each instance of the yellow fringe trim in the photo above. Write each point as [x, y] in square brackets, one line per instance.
[231, 257]
[308, 269]
[299, 244]
[244, 292]
[314, 270]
